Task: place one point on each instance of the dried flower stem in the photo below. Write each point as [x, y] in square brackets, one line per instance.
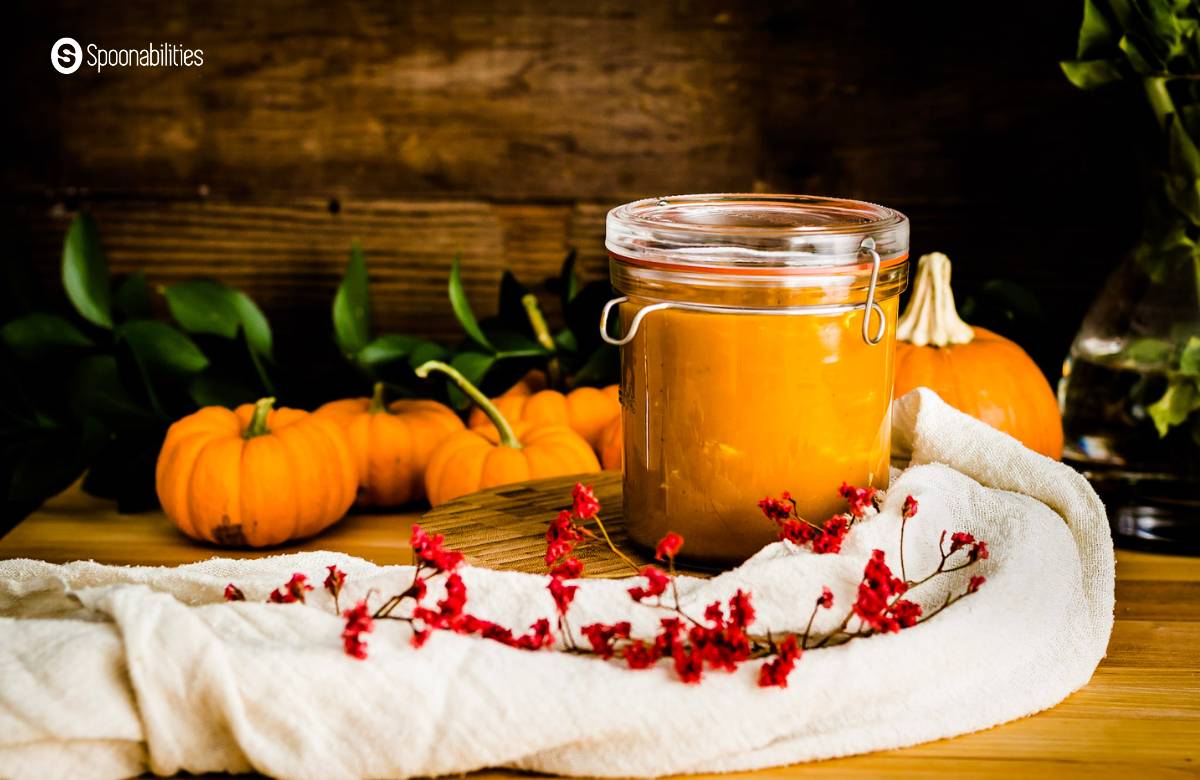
[608, 540]
[808, 627]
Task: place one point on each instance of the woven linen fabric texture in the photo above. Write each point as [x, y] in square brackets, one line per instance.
[108, 672]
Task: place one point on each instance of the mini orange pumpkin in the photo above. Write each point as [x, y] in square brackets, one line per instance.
[500, 453]
[612, 445]
[255, 476]
[533, 381]
[392, 443]
[972, 369]
[585, 410]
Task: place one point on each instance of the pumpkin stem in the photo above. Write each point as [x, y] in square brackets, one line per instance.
[508, 437]
[537, 321]
[930, 317]
[541, 330]
[377, 402]
[258, 423]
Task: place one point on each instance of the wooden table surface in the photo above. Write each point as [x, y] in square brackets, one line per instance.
[1139, 716]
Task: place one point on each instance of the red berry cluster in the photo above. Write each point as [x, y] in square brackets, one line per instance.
[961, 540]
[450, 614]
[565, 532]
[721, 642]
[292, 591]
[879, 604]
[775, 673]
[825, 537]
[358, 622]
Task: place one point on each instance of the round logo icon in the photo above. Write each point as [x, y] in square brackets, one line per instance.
[66, 55]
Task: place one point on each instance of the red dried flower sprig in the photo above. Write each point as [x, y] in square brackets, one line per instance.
[292, 591]
[333, 583]
[358, 622]
[721, 640]
[826, 537]
[434, 560]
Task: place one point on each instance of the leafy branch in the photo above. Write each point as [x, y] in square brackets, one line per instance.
[1149, 50]
[494, 352]
[93, 390]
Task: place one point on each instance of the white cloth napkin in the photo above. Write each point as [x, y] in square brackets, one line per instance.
[107, 672]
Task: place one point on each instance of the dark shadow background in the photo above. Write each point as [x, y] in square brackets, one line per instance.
[506, 130]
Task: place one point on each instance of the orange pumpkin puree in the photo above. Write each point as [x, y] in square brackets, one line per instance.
[720, 410]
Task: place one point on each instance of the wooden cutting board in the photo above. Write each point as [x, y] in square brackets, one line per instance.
[505, 527]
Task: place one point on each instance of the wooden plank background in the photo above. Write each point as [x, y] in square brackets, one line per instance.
[505, 130]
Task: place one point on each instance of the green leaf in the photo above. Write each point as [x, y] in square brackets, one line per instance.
[254, 323]
[213, 308]
[84, 272]
[1096, 37]
[462, 307]
[1189, 115]
[46, 462]
[1147, 352]
[567, 280]
[124, 469]
[208, 389]
[1189, 359]
[1091, 74]
[509, 344]
[203, 307]
[1177, 403]
[1184, 157]
[1165, 246]
[1162, 26]
[1141, 55]
[1196, 272]
[426, 351]
[1182, 331]
[352, 305]
[474, 366]
[97, 391]
[509, 354]
[1124, 12]
[389, 348]
[133, 297]
[565, 341]
[602, 367]
[583, 315]
[40, 335]
[510, 312]
[156, 344]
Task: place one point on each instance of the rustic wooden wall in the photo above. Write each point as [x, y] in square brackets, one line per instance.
[505, 130]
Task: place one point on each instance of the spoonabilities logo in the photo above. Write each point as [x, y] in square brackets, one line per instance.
[66, 55]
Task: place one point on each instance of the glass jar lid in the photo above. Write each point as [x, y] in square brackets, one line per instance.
[762, 234]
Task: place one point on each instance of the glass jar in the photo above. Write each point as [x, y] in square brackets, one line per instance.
[1129, 394]
[757, 357]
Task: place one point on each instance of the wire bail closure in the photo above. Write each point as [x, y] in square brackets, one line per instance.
[869, 306]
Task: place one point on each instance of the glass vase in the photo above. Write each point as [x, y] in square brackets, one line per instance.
[1130, 397]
